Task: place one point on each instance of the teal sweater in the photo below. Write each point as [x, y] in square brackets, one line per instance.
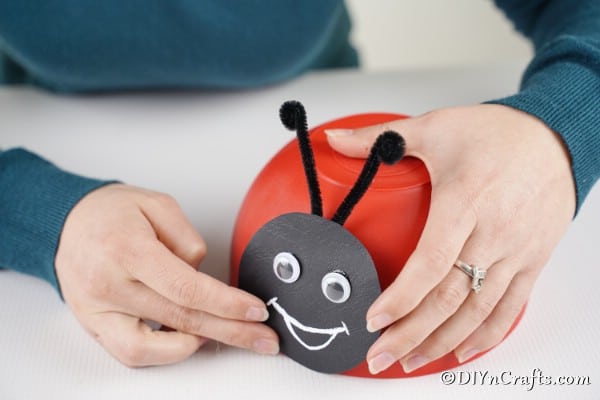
[84, 46]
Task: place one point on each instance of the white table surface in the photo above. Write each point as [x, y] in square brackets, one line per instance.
[205, 149]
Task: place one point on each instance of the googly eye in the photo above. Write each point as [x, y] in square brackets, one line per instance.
[286, 267]
[336, 287]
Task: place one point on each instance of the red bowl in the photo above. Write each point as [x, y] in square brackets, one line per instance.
[388, 220]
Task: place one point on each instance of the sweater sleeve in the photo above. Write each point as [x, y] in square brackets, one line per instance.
[35, 199]
[561, 85]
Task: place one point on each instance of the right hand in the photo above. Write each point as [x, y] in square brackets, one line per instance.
[127, 255]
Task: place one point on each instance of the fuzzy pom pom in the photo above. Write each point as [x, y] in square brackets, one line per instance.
[292, 114]
[390, 147]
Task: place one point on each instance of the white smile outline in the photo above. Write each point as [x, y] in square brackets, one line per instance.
[292, 322]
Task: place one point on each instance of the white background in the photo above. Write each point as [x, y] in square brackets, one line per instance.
[400, 34]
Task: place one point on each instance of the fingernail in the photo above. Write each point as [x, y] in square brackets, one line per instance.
[380, 362]
[413, 362]
[338, 132]
[257, 314]
[266, 346]
[467, 355]
[377, 322]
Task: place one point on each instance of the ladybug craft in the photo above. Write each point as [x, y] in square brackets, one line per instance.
[319, 235]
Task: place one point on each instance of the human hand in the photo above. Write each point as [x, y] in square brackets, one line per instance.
[127, 255]
[502, 197]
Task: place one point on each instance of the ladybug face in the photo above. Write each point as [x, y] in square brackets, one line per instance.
[318, 281]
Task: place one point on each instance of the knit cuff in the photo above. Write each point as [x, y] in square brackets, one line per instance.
[563, 93]
[35, 199]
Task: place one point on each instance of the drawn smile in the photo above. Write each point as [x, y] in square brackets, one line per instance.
[293, 324]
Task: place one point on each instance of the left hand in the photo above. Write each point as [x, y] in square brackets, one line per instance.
[502, 197]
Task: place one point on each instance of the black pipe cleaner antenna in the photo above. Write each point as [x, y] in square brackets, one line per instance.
[388, 148]
[293, 117]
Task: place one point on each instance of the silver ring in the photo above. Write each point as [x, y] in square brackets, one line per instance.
[477, 275]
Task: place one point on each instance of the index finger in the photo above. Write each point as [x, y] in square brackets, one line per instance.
[447, 228]
[172, 278]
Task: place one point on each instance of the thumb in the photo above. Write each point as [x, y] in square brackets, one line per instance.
[357, 143]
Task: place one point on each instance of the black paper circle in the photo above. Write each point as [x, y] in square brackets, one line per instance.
[315, 328]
